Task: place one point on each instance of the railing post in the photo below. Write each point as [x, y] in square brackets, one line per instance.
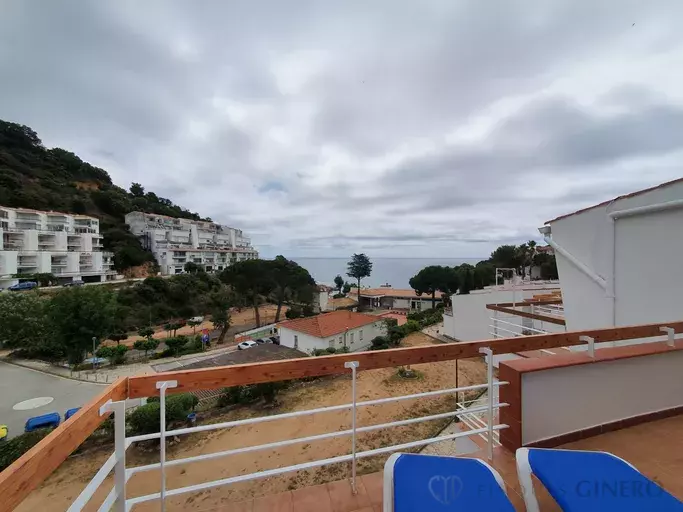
[353, 365]
[670, 332]
[119, 410]
[162, 386]
[495, 323]
[591, 345]
[489, 378]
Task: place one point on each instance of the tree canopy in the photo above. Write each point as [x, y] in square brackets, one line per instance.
[434, 279]
[465, 277]
[78, 315]
[359, 267]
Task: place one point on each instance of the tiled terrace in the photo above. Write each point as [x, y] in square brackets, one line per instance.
[655, 448]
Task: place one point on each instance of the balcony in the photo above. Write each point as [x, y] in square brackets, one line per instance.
[352, 432]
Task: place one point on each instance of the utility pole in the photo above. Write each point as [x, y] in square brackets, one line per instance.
[94, 340]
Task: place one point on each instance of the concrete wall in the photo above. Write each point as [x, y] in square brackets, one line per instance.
[401, 303]
[559, 401]
[647, 281]
[470, 320]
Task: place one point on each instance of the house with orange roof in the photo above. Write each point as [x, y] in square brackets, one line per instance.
[337, 330]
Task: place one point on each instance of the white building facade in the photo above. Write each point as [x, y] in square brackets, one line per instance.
[336, 330]
[619, 261]
[175, 242]
[469, 320]
[65, 245]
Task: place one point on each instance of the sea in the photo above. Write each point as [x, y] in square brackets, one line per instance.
[393, 271]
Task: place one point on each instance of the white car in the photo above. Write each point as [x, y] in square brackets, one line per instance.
[245, 345]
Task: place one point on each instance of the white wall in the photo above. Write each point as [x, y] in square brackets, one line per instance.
[401, 303]
[307, 343]
[471, 319]
[647, 280]
[563, 400]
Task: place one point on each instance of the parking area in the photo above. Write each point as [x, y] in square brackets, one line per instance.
[56, 394]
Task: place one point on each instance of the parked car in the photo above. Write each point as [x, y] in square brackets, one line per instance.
[26, 285]
[261, 341]
[245, 345]
[275, 339]
[75, 282]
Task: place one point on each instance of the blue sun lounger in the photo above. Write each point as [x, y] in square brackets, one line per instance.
[424, 483]
[589, 481]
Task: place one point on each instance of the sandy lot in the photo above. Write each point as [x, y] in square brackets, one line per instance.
[65, 484]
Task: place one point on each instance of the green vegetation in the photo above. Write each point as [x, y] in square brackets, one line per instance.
[32, 176]
[279, 279]
[359, 267]
[338, 283]
[14, 448]
[464, 278]
[395, 333]
[146, 418]
[329, 351]
[62, 325]
[115, 354]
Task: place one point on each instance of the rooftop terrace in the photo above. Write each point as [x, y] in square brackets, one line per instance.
[625, 400]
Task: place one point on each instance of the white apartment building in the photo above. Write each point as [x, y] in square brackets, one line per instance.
[68, 246]
[175, 242]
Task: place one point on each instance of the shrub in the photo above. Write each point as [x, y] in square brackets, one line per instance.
[379, 343]
[331, 350]
[307, 310]
[412, 326]
[338, 296]
[344, 350]
[250, 394]
[294, 312]
[116, 354]
[175, 344]
[14, 448]
[145, 419]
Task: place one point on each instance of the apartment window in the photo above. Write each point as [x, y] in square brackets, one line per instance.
[351, 337]
[296, 341]
[360, 335]
[341, 340]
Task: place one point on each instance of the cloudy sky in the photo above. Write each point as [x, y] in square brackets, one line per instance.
[431, 128]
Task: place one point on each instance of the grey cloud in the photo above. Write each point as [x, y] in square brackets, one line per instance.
[272, 116]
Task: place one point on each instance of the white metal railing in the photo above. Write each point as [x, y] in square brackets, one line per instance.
[117, 500]
[505, 325]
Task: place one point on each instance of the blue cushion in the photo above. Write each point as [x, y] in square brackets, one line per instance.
[425, 483]
[597, 481]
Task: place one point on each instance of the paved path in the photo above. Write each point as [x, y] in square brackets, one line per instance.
[18, 384]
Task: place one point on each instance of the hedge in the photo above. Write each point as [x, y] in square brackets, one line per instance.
[145, 419]
[14, 448]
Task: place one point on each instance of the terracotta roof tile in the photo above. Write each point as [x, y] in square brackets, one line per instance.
[329, 324]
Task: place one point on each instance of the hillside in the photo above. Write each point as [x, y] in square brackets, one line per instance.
[32, 176]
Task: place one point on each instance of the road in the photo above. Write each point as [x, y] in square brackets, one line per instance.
[18, 384]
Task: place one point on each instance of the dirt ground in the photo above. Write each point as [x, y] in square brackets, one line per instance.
[66, 483]
[243, 317]
[340, 303]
